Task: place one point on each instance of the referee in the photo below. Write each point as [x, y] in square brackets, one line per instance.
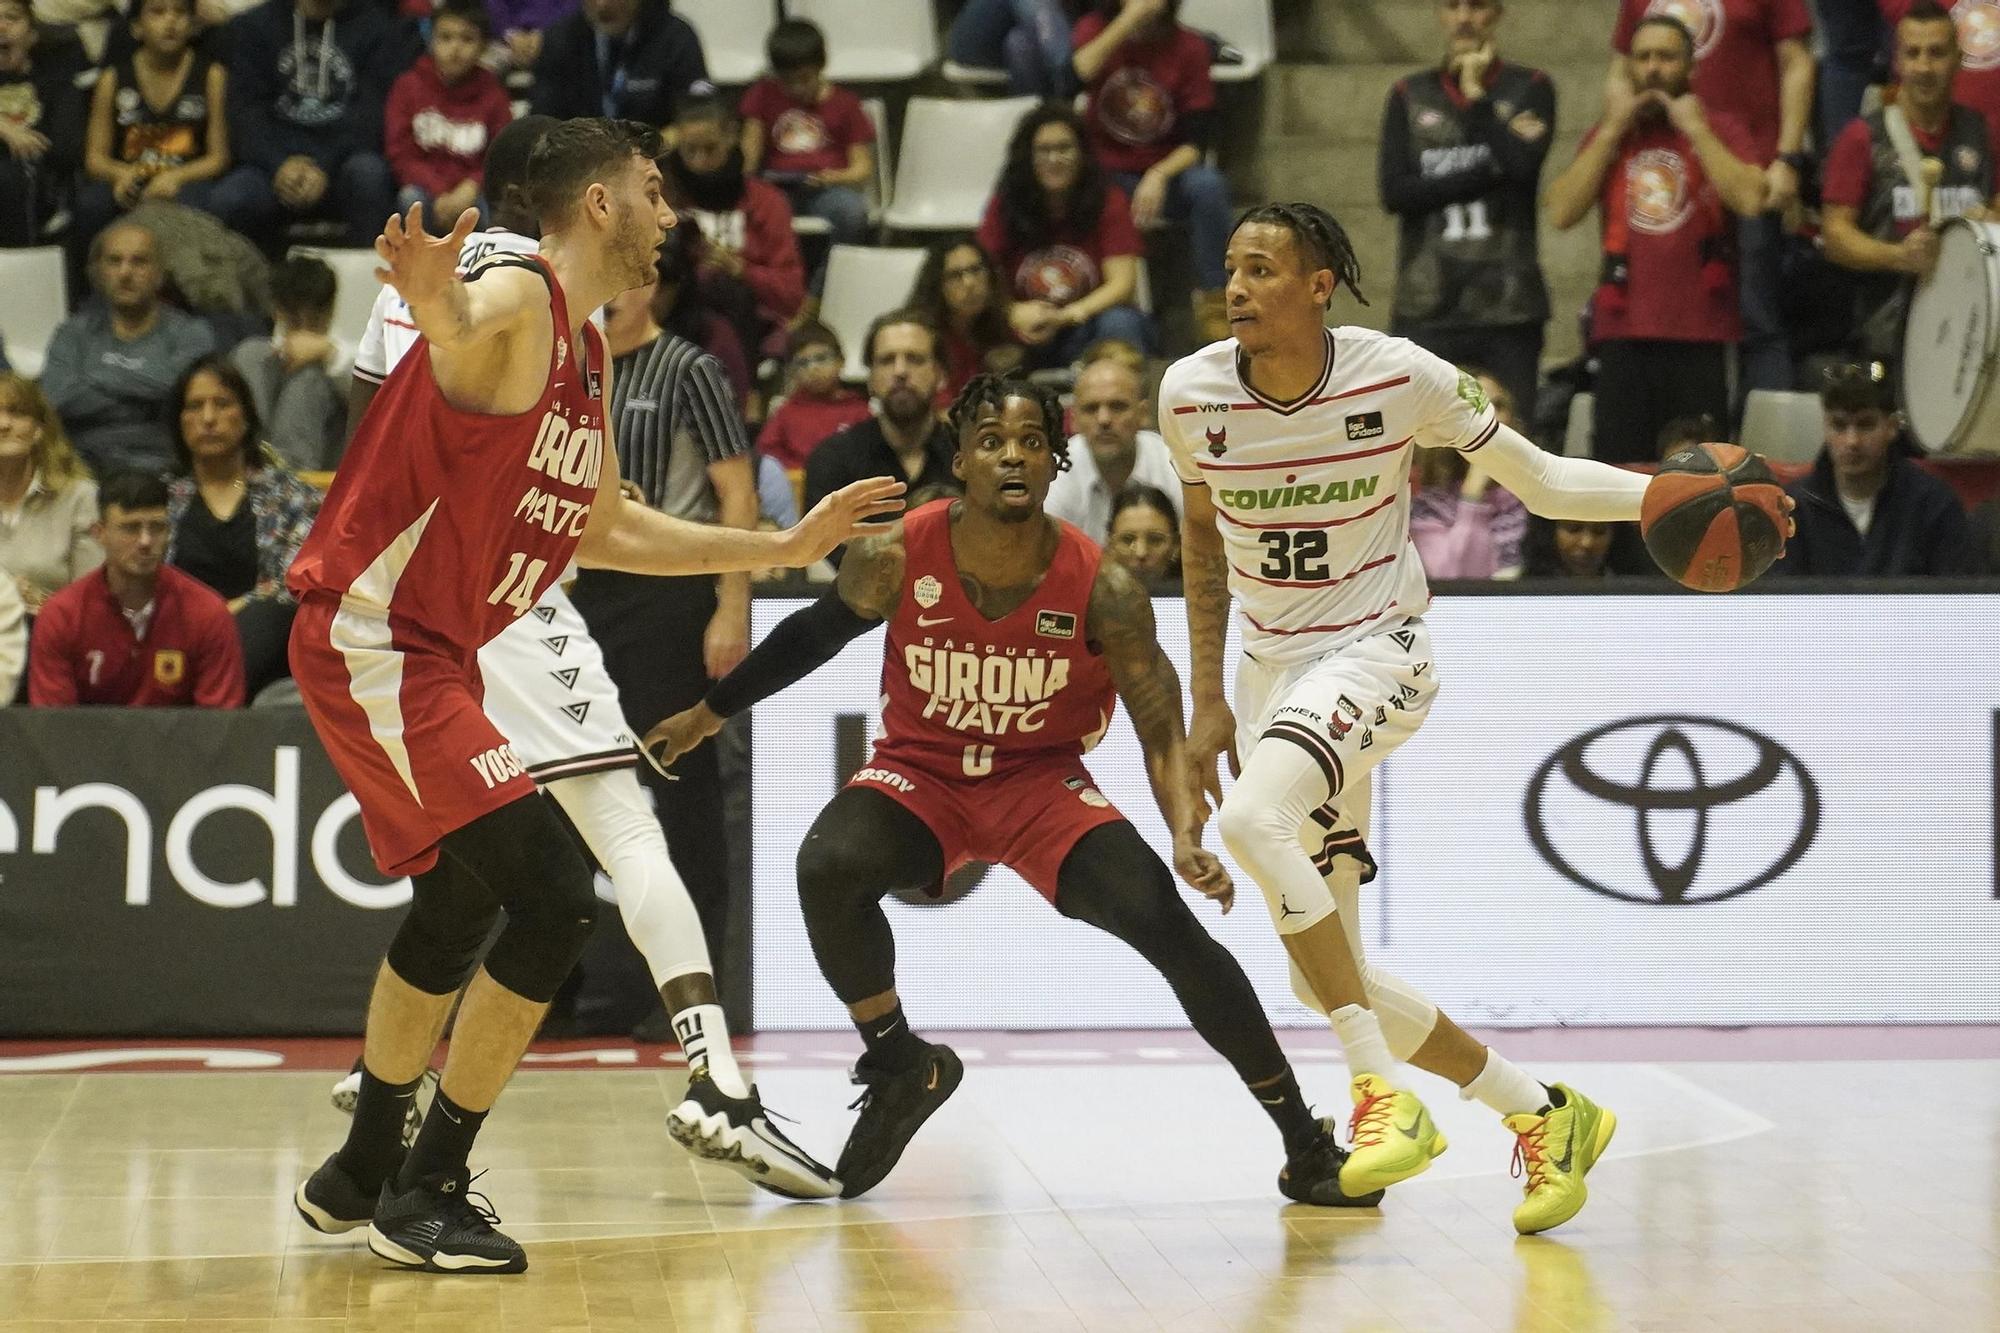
[681, 442]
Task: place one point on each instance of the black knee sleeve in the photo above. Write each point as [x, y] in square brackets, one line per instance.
[451, 917]
[530, 864]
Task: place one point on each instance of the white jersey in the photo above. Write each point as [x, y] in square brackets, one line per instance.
[1314, 495]
[391, 332]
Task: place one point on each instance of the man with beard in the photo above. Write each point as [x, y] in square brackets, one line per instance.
[1008, 634]
[903, 437]
[750, 269]
[1666, 176]
[1881, 216]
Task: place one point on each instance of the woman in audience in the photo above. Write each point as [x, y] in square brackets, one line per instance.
[158, 123]
[41, 124]
[238, 515]
[1563, 549]
[1145, 534]
[47, 500]
[1463, 525]
[1063, 238]
[959, 290]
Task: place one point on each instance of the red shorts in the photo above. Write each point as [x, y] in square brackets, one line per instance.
[402, 723]
[1027, 819]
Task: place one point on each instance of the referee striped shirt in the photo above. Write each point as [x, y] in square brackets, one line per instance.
[673, 414]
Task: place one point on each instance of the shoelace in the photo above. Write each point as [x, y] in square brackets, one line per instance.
[478, 1204]
[1530, 1156]
[1370, 1120]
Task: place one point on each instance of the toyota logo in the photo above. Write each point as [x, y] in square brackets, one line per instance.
[1670, 810]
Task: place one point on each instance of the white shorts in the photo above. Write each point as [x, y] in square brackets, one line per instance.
[1349, 710]
[548, 693]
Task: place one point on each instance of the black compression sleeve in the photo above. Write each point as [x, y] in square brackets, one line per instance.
[799, 645]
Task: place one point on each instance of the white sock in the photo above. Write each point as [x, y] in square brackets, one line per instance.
[1361, 1033]
[1502, 1086]
[704, 1038]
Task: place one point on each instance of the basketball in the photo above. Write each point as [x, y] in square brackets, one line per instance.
[1714, 517]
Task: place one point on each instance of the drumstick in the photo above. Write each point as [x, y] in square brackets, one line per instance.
[1928, 204]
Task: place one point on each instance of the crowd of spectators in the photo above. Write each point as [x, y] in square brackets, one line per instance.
[1762, 220]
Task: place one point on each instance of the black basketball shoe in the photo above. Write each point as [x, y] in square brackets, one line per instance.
[330, 1201]
[1313, 1173]
[440, 1226]
[893, 1107]
[738, 1133]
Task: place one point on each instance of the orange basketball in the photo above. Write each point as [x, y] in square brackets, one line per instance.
[1714, 517]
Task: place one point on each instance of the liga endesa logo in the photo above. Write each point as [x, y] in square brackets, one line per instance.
[1670, 810]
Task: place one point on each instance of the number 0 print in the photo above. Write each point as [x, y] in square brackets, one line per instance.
[978, 760]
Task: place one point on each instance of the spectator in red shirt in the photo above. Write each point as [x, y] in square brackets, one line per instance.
[1064, 240]
[809, 138]
[1666, 177]
[1752, 63]
[1151, 111]
[963, 296]
[1874, 217]
[443, 111]
[750, 270]
[816, 403]
[136, 632]
[1978, 26]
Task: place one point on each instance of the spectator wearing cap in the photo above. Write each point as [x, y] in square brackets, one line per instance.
[1062, 236]
[628, 59]
[1110, 451]
[1892, 175]
[1866, 509]
[1752, 63]
[1666, 176]
[135, 632]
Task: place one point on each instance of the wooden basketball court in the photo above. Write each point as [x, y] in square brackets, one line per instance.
[1079, 1181]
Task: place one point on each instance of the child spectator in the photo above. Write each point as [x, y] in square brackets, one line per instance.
[298, 376]
[809, 138]
[158, 121]
[443, 111]
[964, 297]
[41, 127]
[816, 403]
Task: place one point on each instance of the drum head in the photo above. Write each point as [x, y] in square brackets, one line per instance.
[1948, 343]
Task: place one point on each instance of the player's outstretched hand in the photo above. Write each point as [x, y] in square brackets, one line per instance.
[841, 517]
[418, 265]
[1201, 869]
[677, 735]
[1211, 735]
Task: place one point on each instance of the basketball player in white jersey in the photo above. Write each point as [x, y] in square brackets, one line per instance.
[1294, 443]
[548, 692]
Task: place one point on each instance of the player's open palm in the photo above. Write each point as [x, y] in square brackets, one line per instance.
[675, 736]
[842, 516]
[418, 265]
[1202, 869]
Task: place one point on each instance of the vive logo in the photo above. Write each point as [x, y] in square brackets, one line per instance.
[1670, 810]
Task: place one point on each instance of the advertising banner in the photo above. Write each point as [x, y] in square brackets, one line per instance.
[1622, 810]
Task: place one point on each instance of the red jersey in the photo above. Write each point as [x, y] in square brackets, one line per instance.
[806, 136]
[455, 523]
[1978, 83]
[86, 651]
[1735, 55]
[1138, 104]
[966, 695]
[1070, 265]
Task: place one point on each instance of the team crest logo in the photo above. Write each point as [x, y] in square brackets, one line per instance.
[1055, 624]
[797, 131]
[1469, 390]
[169, 666]
[1656, 191]
[1057, 274]
[1703, 18]
[928, 591]
[1218, 440]
[1338, 726]
[1978, 23]
[1134, 108]
[1094, 798]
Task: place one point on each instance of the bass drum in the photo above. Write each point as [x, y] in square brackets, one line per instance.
[1950, 345]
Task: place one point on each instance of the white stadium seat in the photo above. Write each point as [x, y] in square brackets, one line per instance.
[356, 286]
[863, 281]
[732, 35]
[949, 159]
[1244, 24]
[32, 305]
[873, 41]
[1784, 427]
[973, 76]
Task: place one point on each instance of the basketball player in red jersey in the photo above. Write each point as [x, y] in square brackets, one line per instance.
[1007, 638]
[481, 470]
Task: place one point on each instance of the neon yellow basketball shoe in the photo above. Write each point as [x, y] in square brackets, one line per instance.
[1393, 1137]
[1555, 1151]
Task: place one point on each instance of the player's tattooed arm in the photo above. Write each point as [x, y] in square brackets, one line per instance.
[871, 574]
[1205, 584]
[1121, 628]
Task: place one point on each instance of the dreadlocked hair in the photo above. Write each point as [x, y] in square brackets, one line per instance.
[1322, 242]
[982, 391]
